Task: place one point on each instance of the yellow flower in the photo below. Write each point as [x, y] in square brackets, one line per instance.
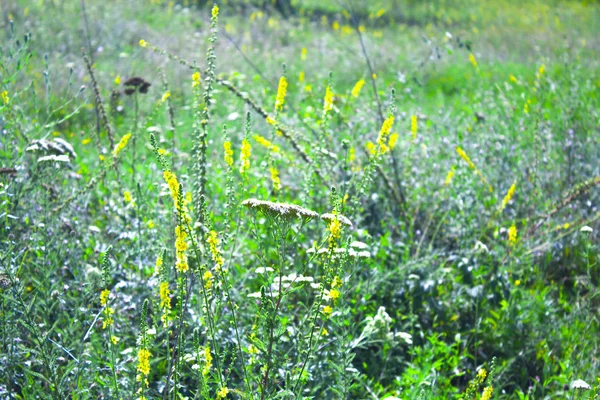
[196, 79]
[118, 80]
[127, 196]
[281, 92]
[108, 319]
[275, 179]
[144, 362]
[121, 145]
[328, 102]
[327, 310]
[303, 55]
[159, 263]
[334, 294]
[324, 332]
[86, 141]
[335, 25]
[181, 246]
[512, 235]
[526, 108]
[517, 282]
[228, 153]
[371, 148]
[509, 195]
[337, 282]
[213, 243]
[481, 374]
[151, 224]
[465, 157]
[165, 96]
[270, 120]
[449, 176]
[513, 79]
[542, 69]
[208, 361]
[487, 393]
[222, 393]
[208, 279]
[104, 297]
[266, 143]
[413, 126]
[114, 339]
[173, 184]
[357, 87]
[386, 127]
[308, 88]
[245, 156]
[473, 60]
[215, 11]
[165, 299]
[374, 76]
[335, 229]
[143, 43]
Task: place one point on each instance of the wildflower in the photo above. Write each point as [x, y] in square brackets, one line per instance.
[465, 157]
[121, 145]
[127, 197]
[164, 294]
[86, 141]
[208, 361]
[374, 76]
[341, 218]
[449, 176]
[266, 143]
[308, 88]
[324, 332]
[151, 224]
[104, 297]
[108, 319]
[208, 279]
[280, 209]
[303, 54]
[526, 108]
[213, 243]
[393, 140]
[513, 79]
[357, 87]
[481, 374]
[270, 120]
[245, 156]
[517, 282]
[158, 265]
[165, 97]
[143, 43]
[5, 98]
[371, 148]
[335, 25]
[144, 362]
[509, 195]
[327, 310]
[413, 126]
[337, 282]
[386, 127]
[512, 235]
[580, 384]
[215, 11]
[334, 294]
[173, 184]
[196, 79]
[222, 393]
[473, 60]
[542, 69]
[181, 246]
[118, 80]
[281, 92]
[328, 101]
[228, 153]
[114, 339]
[335, 229]
[275, 179]
[487, 393]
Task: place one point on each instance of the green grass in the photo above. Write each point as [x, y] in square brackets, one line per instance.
[439, 294]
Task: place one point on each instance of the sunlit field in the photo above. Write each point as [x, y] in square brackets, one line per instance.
[256, 199]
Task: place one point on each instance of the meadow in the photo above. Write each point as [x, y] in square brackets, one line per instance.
[300, 199]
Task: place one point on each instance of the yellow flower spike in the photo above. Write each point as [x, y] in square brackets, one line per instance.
[104, 297]
[143, 43]
[473, 60]
[465, 157]
[303, 54]
[393, 139]
[215, 11]
[509, 195]
[542, 69]
[487, 393]
[328, 101]
[222, 393]
[121, 145]
[301, 77]
[450, 176]
[357, 87]
[270, 120]
[512, 235]
[281, 92]
[275, 179]
[165, 96]
[196, 79]
[327, 310]
[144, 362]
[118, 80]
[165, 296]
[413, 126]
[228, 156]
[245, 156]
